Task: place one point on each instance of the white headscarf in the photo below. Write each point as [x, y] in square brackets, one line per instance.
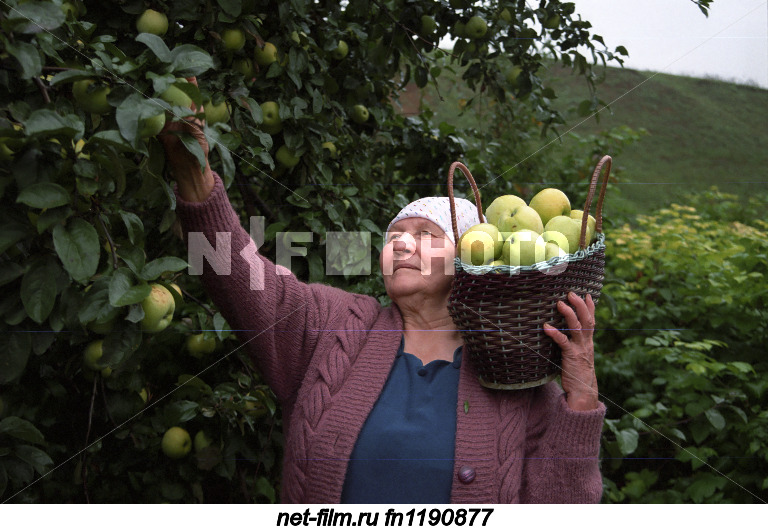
[438, 210]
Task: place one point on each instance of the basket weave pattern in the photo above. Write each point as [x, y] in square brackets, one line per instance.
[500, 312]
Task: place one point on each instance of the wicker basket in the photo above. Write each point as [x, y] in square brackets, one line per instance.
[500, 310]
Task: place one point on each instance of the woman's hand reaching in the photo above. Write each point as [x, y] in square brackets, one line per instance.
[195, 184]
[578, 355]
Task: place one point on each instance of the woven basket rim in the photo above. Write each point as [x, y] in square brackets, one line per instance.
[505, 269]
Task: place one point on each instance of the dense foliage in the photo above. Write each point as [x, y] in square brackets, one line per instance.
[683, 371]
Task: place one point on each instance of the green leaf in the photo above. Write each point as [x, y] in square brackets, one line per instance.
[179, 412]
[68, 76]
[627, 440]
[715, 418]
[47, 122]
[188, 60]
[38, 289]
[43, 195]
[231, 7]
[705, 486]
[155, 45]
[15, 348]
[193, 146]
[112, 138]
[122, 291]
[157, 267]
[120, 344]
[12, 230]
[36, 17]
[77, 245]
[21, 429]
[266, 489]
[33, 456]
[9, 272]
[134, 226]
[28, 57]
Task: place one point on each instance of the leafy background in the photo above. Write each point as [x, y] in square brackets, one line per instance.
[87, 224]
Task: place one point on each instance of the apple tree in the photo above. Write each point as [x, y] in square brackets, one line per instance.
[109, 346]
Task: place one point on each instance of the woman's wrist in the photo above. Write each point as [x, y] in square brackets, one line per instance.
[581, 401]
[198, 188]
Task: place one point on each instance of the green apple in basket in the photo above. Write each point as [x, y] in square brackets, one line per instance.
[480, 244]
[520, 248]
[578, 214]
[473, 244]
[519, 218]
[502, 205]
[568, 227]
[549, 203]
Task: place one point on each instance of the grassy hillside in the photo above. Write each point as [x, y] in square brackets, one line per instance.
[701, 132]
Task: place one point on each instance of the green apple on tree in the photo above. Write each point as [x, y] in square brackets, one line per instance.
[103, 326]
[152, 21]
[92, 355]
[151, 126]
[201, 441]
[175, 96]
[476, 27]
[552, 22]
[549, 203]
[330, 147]
[300, 39]
[271, 123]
[513, 75]
[520, 248]
[69, 7]
[500, 205]
[217, 113]
[158, 309]
[428, 25]
[6, 154]
[233, 39]
[176, 443]
[91, 97]
[200, 344]
[341, 51]
[359, 114]
[244, 65]
[287, 157]
[567, 226]
[266, 55]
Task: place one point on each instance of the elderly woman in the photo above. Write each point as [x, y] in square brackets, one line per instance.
[379, 405]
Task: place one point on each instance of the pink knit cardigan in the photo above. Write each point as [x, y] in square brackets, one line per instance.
[326, 353]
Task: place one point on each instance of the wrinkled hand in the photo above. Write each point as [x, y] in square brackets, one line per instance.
[194, 184]
[578, 353]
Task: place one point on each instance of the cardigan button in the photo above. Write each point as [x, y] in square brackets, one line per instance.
[467, 474]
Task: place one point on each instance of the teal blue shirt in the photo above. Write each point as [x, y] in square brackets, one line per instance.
[405, 451]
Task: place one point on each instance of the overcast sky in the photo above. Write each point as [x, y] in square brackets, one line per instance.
[673, 36]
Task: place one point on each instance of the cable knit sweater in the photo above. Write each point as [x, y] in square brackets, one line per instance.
[327, 353]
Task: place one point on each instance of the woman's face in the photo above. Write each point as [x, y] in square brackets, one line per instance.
[417, 258]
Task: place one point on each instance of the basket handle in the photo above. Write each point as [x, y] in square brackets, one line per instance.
[478, 204]
[605, 160]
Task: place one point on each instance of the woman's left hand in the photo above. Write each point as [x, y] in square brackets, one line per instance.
[578, 353]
